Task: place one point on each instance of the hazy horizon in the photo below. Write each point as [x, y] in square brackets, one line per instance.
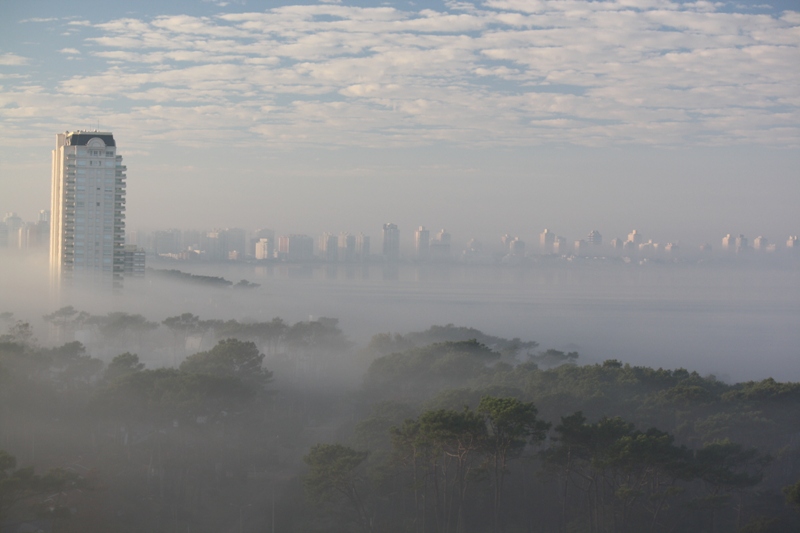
[676, 119]
[734, 320]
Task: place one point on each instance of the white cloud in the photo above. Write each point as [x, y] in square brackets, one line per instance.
[71, 51]
[13, 60]
[39, 19]
[504, 72]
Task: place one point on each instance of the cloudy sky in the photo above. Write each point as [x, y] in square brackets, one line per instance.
[680, 119]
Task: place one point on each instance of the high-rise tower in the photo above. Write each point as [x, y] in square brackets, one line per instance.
[422, 241]
[391, 242]
[87, 222]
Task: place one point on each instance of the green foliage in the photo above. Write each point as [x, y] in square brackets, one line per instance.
[552, 358]
[322, 334]
[61, 315]
[451, 333]
[177, 275]
[122, 365]
[432, 367]
[767, 390]
[20, 332]
[19, 484]
[117, 324]
[332, 470]
[725, 465]
[792, 493]
[373, 432]
[231, 358]
[165, 394]
[185, 323]
[334, 475]
[511, 424]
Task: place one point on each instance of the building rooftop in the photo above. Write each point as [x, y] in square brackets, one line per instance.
[81, 138]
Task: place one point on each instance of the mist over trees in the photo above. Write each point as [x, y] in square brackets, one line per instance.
[126, 423]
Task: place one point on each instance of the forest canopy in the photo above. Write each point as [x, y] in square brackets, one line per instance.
[188, 423]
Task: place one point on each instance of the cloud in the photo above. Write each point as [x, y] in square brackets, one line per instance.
[71, 51]
[13, 60]
[499, 73]
[39, 19]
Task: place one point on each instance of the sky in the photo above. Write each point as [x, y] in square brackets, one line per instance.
[679, 119]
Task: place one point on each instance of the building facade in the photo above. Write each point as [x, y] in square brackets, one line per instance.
[362, 247]
[391, 242]
[422, 241]
[87, 221]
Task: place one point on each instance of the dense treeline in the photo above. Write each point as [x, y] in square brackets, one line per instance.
[222, 425]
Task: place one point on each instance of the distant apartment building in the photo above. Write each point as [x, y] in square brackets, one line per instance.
[516, 247]
[235, 244]
[362, 247]
[734, 244]
[792, 242]
[648, 247]
[547, 241]
[164, 242]
[19, 235]
[134, 265]
[295, 248]
[228, 244]
[741, 243]
[473, 251]
[505, 240]
[264, 249]
[760, 243]
[33, 235]
[559, 245]
[391, 242]
[728, 242]
[347, 247]
[594, 238]
[635, 238]
[439, 246]
[422, 241]
[256, 236]
[329, 247]
[13, 224]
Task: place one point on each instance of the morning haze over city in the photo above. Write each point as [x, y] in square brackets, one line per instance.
[358, 216]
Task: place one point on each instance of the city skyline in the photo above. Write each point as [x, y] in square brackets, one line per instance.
[16, 232]
[238, 244]
[665, 116]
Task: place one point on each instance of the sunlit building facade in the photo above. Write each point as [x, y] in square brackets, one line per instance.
[295, 248]
[422, 241]
[391, 242]
[362, 247]
[87, 222]
[547, 240]
[347, 247]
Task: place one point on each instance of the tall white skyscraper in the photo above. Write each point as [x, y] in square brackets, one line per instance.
[87, 222]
